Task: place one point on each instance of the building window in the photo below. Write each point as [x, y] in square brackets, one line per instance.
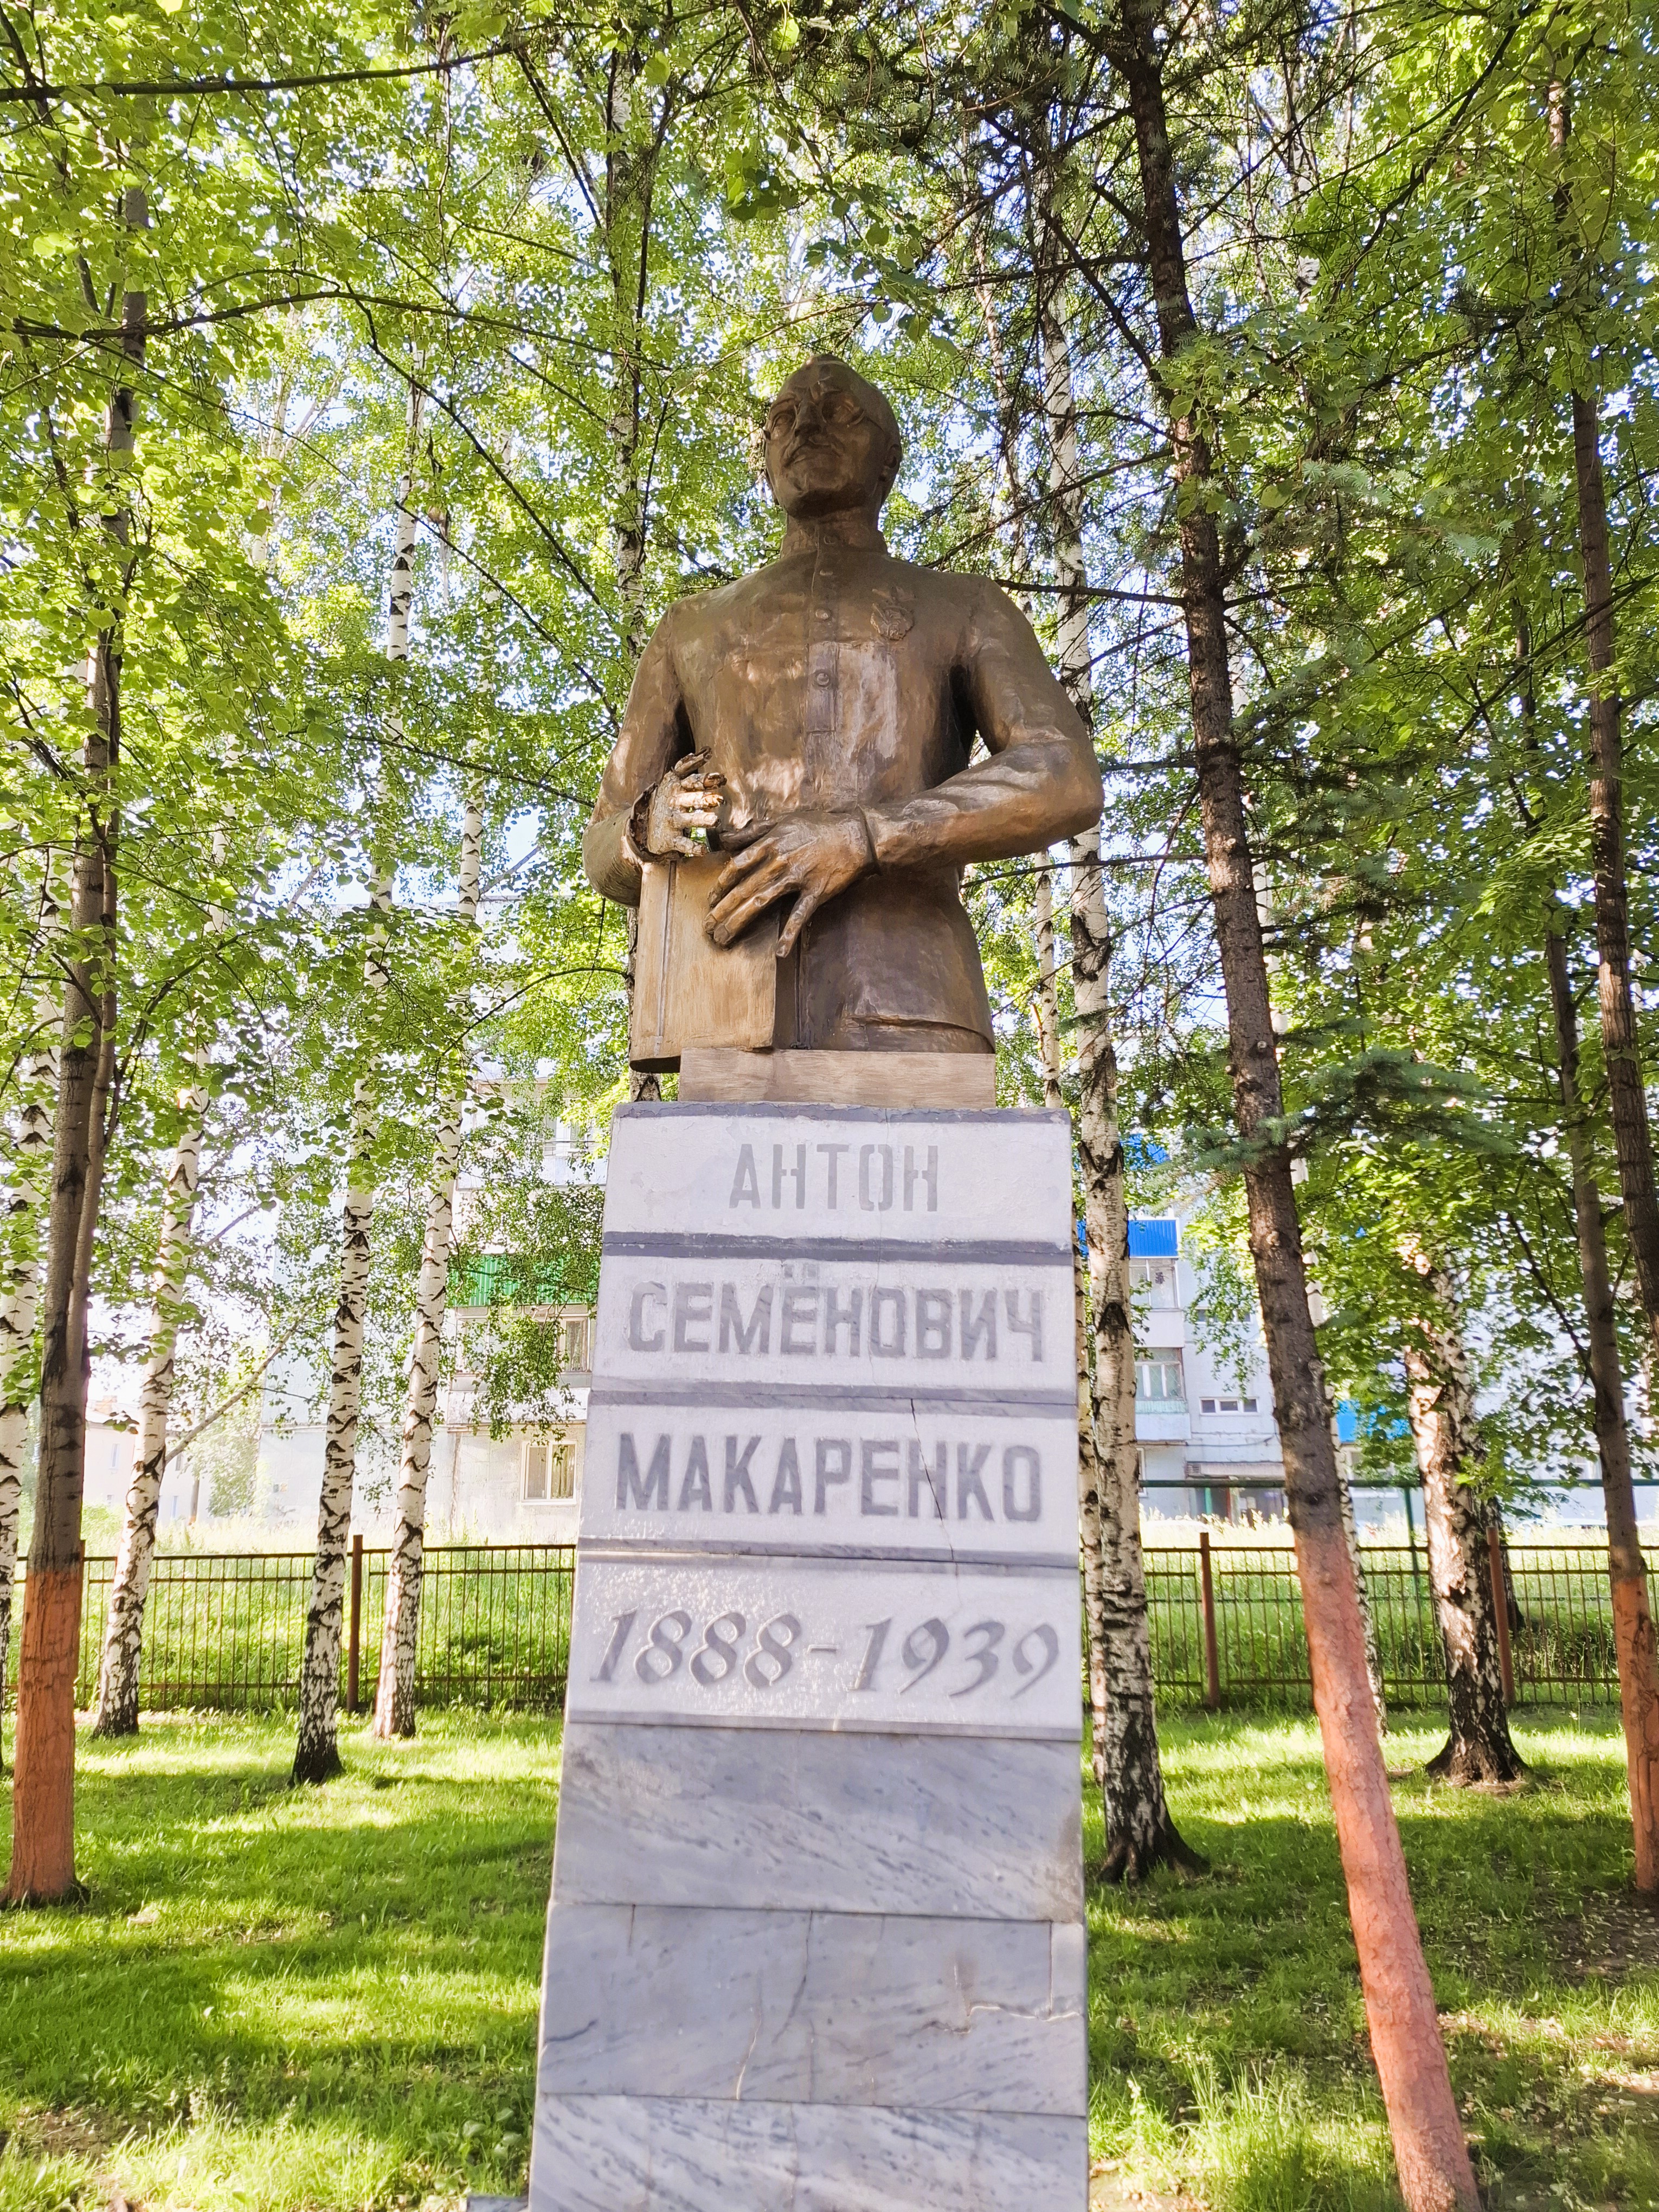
[1157, 1380]
[549, 1468]
[1153, 1284]
[1227, 1405]
[575, 1328]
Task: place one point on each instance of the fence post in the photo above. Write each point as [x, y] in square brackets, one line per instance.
[1411, 1539]
[1500, 1606]
[356, 1622]
[1211, 1656]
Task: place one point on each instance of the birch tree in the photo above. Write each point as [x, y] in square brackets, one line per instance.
[630, 155]
[1446, 1437]
[394, 1696]
[317, 1755]
[1045, 1014]
[1140, 1831]
[115, 1712]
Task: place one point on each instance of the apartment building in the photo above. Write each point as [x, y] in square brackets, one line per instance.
[1208, 1442]
[1208, 1446]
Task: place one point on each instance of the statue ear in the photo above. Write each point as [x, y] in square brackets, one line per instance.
[889, 473]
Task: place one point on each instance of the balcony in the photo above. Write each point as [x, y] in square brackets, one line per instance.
[1159, 1328]
[1162, 1421]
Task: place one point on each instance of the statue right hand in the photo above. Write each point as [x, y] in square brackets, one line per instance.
[688, 799]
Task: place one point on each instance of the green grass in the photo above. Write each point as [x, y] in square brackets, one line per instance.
[1227, 2048]
[281, 1999]
[276, 1998]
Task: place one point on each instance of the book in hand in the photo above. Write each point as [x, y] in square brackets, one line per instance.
[687, 989]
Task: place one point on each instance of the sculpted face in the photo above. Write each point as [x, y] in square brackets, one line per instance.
[832, 446]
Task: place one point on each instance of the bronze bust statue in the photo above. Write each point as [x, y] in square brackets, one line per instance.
[815, 719]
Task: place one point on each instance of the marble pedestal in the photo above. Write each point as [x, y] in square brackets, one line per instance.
[816, 1941]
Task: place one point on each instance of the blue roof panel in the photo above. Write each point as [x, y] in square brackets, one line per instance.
[1153, 1240]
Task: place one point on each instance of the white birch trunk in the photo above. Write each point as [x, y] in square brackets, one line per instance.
[1446, 1435]
[116, 1713]
[1090, 1533]
[1092, 1539]
[116, 1710]
[1045, 1007]
[394, 1696]
[1139, 1830]
[317, 1755]
[628, 180]
[24, 1203]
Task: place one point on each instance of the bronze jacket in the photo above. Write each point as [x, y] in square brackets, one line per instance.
[837, 679]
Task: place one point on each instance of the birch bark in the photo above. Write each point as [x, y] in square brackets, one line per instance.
[1045, 1013]
[1431, 2154]
[394, 1696]
[317, 1753]
[1140, 1832]
[24, 1204]
[628, 177]
[1091, 1531]
[116, 1713]
[1045, 1007]
[1446, 1435]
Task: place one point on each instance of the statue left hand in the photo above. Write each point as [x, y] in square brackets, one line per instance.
[810, 856]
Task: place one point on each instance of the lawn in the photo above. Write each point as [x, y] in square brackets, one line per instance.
[281, 1999]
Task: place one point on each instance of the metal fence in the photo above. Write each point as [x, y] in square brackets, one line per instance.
[1226, 1625]
[228, 1630]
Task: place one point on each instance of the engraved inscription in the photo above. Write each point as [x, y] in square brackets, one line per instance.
[741, 1642]
[897, 1477]
[793, 1316]
[878, 1175]
[783, 1479]
[663, 1643]
[836, 1177]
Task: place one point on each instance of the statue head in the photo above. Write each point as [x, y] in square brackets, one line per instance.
[832, 443]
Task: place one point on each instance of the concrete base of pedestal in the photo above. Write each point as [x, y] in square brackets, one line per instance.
[816, 1938]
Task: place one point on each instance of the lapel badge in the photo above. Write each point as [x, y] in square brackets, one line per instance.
[893, 614]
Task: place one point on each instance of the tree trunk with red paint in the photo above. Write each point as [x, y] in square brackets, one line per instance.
[1634, 1642]
[43, 1792]
[1430, 2151]
[43, 1797]
[1627, 1103]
